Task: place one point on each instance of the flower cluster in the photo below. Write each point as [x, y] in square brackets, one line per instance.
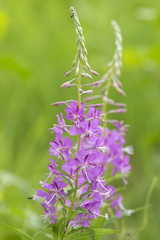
[77, 171]
[87, 154]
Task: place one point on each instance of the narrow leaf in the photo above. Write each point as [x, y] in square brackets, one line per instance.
[90, 233]
[61, 229]
[68, 181]
[80, 235]
[71, 191]
[42, 229]
[82, 210]
[72, 214]
[104, 231]
[19, 232]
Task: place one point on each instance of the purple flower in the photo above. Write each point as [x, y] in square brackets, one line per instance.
[100, 187]
[75, 113]
[88, 129]
[62, 126]
[53, 170]
[85, 162]
[50, 197]
[121, 164]
[60, 147]
[94, 113]
[118, 206]
[115, 204]
[56, 189]
[49, 213]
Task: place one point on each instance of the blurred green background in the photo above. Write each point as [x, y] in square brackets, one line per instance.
[37, 45]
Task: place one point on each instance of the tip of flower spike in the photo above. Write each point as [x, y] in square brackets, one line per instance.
[72, 11]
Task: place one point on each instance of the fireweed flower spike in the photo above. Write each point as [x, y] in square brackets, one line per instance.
[76, 188]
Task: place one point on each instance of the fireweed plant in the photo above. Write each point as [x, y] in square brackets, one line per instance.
[78, 188]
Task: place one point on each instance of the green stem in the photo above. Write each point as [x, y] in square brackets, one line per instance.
[79, 82]
[145, 217]
[78, 147]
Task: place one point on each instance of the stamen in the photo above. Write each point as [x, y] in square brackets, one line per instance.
[99, 215]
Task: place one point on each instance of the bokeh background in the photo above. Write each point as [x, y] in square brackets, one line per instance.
[37, 45]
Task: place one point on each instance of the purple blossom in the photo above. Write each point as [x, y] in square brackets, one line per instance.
[49, 213]
[85, 162]
[121, 164]
[94, 113]
[90, 161]
[74, 113]
[62, 126]
[118, 206]
[61, 147]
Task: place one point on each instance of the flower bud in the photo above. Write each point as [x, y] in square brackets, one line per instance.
[94, 72]
[58, 103]
[77, 71]
[95, 105]
[97, 84]
[68, 73]
[88, 91]
[120, 105]
[66, 85]
[88, 76]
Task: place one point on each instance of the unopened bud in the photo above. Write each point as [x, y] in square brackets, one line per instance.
[92, 98]
[80, 90]
[95, 105]
[88, 99]
[58, 103]
[115, 85]
[94, 72]
[68, 73]
[88, 76]
[97, 84]
[77, 71]
[120, 110]
[121, 92]
[66, 85]
[120, 105]
[88, 91]
[88, 66]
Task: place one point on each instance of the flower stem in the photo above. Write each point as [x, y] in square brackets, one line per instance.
[79, 82]
[79, 137]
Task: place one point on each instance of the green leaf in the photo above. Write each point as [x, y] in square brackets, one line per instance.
[80, 235]
[104, 231]
[61, 229]
[42, 229]
[117, 176]
[68, 181]
[82, 210]
[19, 232]
[90, 233]
[72, 214]
[71, 191]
